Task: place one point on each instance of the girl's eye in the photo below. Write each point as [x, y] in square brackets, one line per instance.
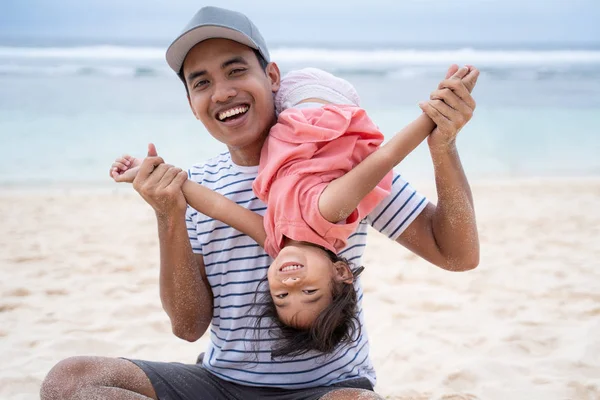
[311, 291]
[281, 295]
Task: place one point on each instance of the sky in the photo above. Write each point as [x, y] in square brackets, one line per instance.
[311, 21]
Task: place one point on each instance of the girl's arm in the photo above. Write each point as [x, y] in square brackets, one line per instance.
[219, 207]
[341, 197]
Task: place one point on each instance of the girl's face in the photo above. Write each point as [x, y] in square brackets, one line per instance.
[301, 280]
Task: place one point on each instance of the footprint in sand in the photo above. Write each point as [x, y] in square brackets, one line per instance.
[19, 292]
[160, 326]
[49, 318]
[507, 312]
[412, 396]
[8, 307]
[123, 268]
[584, 391]
[57, 292]
[595, 312]
[532, 345]
[24, 259]
[461, 381]
[466, 396]
[387, 298]
[436, 307]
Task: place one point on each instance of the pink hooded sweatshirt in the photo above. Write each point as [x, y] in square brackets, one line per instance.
[306, 150]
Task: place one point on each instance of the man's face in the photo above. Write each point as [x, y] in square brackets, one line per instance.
[230, 92]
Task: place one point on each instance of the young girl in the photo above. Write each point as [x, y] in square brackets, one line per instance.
[321, 172]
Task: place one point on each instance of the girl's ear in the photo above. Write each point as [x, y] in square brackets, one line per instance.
[342, 273]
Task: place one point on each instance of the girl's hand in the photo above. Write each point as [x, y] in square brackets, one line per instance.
[125, 168]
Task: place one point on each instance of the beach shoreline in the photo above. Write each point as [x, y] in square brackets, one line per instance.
[80, 267]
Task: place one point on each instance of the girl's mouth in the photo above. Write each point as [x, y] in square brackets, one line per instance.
[290, 267]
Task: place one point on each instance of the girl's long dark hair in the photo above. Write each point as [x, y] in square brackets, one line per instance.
[337, 324]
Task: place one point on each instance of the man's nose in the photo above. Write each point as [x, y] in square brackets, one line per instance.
[290, 282]
[223, 92]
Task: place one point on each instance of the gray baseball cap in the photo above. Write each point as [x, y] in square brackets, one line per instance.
[212, 23]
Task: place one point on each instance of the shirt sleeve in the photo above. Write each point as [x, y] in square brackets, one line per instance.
[191, 230]
[397, 211]
[190, 224]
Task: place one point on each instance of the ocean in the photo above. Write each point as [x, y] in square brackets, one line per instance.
[68, 109]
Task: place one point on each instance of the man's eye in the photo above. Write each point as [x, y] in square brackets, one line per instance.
[311, 291]
[281, 295]
[237, 71]
[200, 83]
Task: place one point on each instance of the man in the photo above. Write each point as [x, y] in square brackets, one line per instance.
[209, 272]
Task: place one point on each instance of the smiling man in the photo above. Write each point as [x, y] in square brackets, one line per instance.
[209, 272]
[241, 114]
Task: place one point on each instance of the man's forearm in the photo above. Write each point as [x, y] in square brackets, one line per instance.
[342, 196]
[185, 296]
[453, 223]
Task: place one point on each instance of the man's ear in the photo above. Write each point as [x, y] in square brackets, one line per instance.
[343, 273]
[192, 108]
[274, 75]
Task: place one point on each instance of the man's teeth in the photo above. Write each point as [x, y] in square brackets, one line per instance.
[232, 112]
[290, 268]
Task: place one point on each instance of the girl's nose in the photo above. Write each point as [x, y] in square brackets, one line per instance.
[290, 281]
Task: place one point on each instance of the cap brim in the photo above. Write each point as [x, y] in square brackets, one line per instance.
[179, 49]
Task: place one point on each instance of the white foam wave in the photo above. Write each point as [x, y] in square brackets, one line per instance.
[333, 57]
[422, 57]
[89, 52]
[81, 70]
[398, 72]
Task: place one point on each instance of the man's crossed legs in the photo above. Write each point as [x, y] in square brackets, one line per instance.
[116, 378]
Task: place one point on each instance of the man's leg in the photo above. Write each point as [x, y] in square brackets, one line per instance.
[351, 394]
[96, 378]
[359, 388]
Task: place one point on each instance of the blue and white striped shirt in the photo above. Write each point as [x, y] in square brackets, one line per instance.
[235, 265]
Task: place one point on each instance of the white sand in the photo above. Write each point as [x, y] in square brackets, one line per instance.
[80, 277]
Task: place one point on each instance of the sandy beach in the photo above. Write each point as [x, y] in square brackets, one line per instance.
[80, 277]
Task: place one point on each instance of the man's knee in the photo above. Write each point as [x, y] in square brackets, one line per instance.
[80, 377]
[71, 376]
[351, 394]
[64, 378]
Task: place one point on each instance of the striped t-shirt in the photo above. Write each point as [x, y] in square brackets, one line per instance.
[235, 265]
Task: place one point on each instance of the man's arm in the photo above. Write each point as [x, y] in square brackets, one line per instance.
[446, 234]
[185, 294]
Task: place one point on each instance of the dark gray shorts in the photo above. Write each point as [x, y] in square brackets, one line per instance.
[176, 381]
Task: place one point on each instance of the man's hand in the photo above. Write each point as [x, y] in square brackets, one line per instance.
[451, 106]
[160, 185]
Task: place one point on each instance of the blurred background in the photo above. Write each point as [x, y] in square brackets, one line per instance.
[84, 82]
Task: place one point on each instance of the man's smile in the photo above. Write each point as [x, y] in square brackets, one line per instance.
[232, 112]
